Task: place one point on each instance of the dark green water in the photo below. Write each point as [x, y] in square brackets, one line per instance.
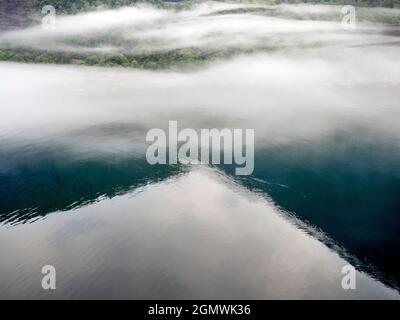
[346, 185]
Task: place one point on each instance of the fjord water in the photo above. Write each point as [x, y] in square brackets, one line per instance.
[195, 235]
[76, 190]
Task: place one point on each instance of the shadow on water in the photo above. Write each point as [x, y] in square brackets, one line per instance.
[346, 185]
[51, 179]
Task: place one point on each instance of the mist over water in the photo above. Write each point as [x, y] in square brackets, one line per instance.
[325, 108]
[206, 26]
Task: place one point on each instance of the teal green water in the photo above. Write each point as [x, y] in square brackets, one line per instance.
[346, 186]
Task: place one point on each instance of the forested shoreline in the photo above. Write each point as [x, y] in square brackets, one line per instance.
[30, 15]
[21, 13]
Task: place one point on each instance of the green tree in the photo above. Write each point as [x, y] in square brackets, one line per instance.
[92, 60]
[3, 56]
[119, 59]
[388, 3]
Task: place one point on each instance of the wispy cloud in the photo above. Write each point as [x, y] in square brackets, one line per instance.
[207, 26]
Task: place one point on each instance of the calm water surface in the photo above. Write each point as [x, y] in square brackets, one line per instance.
[76, 191]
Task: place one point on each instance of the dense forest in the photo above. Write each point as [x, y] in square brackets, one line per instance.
[19, 12]
[75, 6]
[22, 13]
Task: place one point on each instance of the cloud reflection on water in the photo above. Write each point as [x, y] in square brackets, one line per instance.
[215, 241]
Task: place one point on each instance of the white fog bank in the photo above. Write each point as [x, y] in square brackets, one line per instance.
[306, 95]
[206, 26]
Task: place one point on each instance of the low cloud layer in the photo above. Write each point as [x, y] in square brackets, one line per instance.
[207, 26]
